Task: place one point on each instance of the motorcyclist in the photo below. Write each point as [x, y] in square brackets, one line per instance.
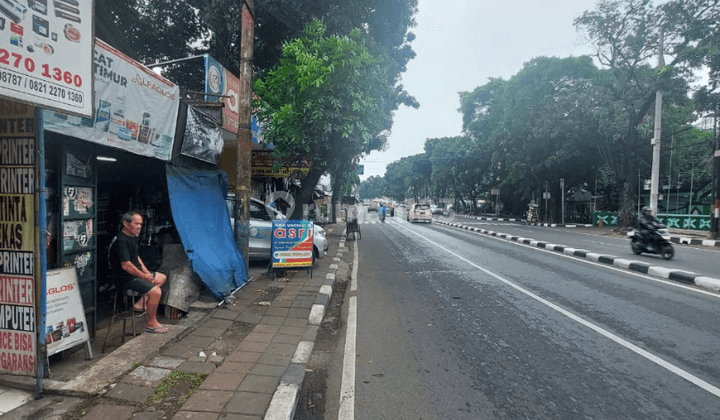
[382, 211]
[648, 225]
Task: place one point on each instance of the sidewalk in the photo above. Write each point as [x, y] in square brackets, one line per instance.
[248, 356]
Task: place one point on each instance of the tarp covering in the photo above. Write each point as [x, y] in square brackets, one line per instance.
[203, 222]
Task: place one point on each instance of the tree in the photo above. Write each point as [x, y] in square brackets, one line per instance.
[626, 34]
[327, 101]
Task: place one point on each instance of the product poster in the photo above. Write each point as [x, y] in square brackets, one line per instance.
[203, 137]
[46, 53]
[292, 243]
[219, 81]
[136, 109]
[66, 325]
[17, 239]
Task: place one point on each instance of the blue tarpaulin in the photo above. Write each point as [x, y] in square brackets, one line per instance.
[202, 220]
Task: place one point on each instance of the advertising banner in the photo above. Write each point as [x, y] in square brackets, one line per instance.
[66, 325]
[264, 164]
[18, 337]
[203, 138]
[136, 109]
[219, 81]
[292, 243]
[46, 53]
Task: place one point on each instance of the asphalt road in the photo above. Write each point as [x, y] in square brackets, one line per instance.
[454, 325]
[695, 259]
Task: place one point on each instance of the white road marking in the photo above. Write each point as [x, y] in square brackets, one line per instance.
[347, 387]
[646, 354]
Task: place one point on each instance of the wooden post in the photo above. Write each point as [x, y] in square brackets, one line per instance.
[243, 181]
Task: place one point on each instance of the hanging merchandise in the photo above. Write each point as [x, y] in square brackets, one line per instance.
[203, 138]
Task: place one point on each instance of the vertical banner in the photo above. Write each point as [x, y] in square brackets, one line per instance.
[46, 53]
[219, 81]
[17, 239]
[292, 243]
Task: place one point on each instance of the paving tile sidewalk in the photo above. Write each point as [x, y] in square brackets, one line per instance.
[253, 350]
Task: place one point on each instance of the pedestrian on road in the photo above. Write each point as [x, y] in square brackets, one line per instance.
[132, 272]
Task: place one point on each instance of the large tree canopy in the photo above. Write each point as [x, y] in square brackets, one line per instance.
[327, 101]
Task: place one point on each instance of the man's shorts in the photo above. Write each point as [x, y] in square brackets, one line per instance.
[137, 284]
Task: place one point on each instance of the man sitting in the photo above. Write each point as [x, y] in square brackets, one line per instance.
[133, 274]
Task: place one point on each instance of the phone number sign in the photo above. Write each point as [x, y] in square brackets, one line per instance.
[46, 54]
[292, 243]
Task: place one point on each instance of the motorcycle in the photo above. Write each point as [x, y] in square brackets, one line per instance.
[657, 243]
[382, 217]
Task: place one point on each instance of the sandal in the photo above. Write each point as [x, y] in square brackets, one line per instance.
[156, 330]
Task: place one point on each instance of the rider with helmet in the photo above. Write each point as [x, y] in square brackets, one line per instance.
[648, 224]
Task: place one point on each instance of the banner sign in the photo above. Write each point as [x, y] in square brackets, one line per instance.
[136, 109]
[18, 337]
[203, 137]
[219, 81]
[263, 164]
[292, 243]
[66, 325]
[46, 53]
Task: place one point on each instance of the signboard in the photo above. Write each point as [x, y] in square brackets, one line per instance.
[263, 164]
[219, 81]
[66, 325]
[46, 53]
[136, 109]
[292, 243]
[18, 337]
[203, 138]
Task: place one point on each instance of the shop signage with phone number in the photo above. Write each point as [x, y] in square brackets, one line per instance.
[46, 53]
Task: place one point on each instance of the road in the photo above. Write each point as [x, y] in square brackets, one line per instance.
[450, 324]
[695, 259]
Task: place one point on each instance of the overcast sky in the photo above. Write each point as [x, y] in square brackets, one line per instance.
[460, 44]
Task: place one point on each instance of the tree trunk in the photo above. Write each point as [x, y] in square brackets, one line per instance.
[626, 214]
[337, 183]
[304, 195]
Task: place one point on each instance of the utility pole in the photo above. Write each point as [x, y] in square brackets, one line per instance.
[562, 199]
[715, 216]
[243, 177]
[655, 180]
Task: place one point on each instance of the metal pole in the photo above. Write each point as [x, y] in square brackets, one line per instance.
[562, 198]
[692, 180]
[243, 183]
[715, 217]
[672, 149]
[546, 201]
[656, 138]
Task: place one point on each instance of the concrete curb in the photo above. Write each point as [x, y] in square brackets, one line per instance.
[653, 270]
[284, 400]
[683, 240]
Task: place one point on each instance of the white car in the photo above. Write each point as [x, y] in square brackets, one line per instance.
[419, 213]
[260, 241]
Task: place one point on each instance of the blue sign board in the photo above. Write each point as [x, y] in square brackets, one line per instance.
[292, 243]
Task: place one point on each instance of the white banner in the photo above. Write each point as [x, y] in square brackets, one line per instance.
[136, 108]
[46, 53]
[66, 325]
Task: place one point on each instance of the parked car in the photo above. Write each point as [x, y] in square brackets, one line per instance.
[373, 206]
[436, 209]
[419, 213]
[260, 241]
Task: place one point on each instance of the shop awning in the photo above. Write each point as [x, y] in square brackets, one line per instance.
[202, 220]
